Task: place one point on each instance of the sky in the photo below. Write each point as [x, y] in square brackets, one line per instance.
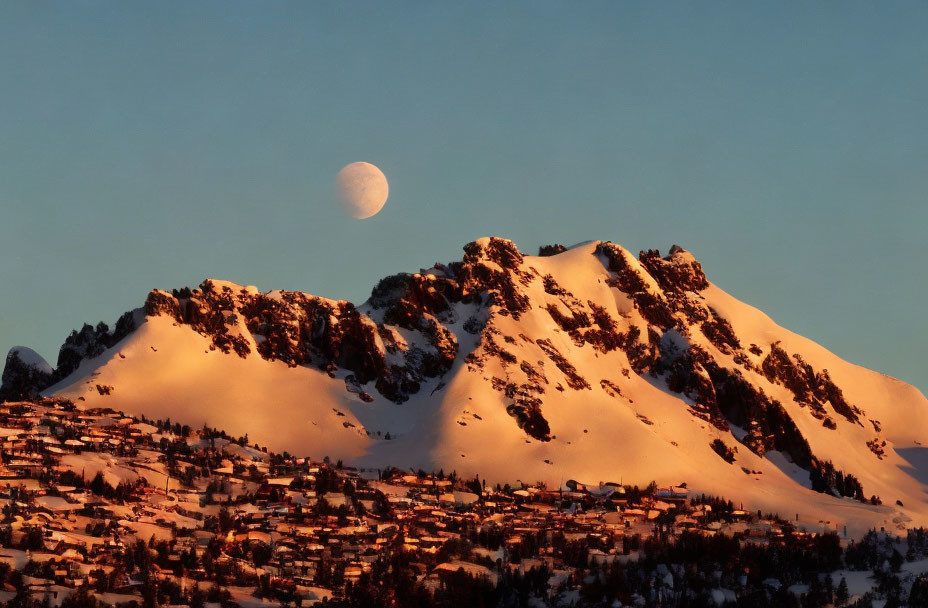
[148, 145]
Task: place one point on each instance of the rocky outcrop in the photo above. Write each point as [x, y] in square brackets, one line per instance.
[300, 329]
[652, 306]
[549, 250]
[24, 375]
[90, 342]
[678, 271]
[810, 388]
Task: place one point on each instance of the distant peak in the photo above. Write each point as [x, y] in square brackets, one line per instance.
[679, 270]
[26, 372]
[220, 285]
[549, 250]
[30, 358]
[557, 248]
[494, 249]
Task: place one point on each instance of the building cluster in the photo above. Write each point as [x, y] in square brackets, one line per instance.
[126, 510]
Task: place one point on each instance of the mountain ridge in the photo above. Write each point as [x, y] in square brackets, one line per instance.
[580, 362]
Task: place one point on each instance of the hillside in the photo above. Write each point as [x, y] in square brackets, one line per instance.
[104, 509]
[588, 363]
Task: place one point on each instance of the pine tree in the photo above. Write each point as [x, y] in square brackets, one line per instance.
[919, 594]
[841, 594]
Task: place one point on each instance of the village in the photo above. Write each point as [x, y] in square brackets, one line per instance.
[100, 508]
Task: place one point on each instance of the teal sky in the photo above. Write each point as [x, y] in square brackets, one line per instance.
[155, 144]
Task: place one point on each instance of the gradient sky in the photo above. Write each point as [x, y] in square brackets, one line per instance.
[156, 144]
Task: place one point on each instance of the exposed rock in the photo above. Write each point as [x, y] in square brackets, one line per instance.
[809, 387]
[549, 250]
[573, 378]
[720, 333]
[679, 271]
[90, 342]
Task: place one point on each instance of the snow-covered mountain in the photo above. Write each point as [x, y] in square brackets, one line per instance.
[588, 363]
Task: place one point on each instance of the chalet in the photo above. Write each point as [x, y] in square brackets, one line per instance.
[673, 493]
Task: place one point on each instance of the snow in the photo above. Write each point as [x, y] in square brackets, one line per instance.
[31, 359]
[721, 596]
[169, 371]
[475, 570]
[244, 597]
[221, 285]
[14, 557]
[56, 503]
[649, 452]
[465, 498]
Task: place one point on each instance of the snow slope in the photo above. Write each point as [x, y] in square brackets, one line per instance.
[591, 364]
[164, 370]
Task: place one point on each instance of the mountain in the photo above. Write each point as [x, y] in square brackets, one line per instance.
[24, 374]
[586, 363]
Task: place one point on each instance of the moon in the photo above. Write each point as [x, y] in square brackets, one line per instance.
[363, 189]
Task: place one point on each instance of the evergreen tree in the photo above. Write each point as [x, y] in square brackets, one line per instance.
[918, 596]
[841, 594]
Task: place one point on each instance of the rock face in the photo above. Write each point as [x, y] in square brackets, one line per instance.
[90, 342]
[300, 329]
[529, 338]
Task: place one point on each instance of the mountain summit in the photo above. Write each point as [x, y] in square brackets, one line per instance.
[586, 363]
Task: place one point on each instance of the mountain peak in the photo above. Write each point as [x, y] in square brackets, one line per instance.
[582, 362]
[24, 374]
[493, 249]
